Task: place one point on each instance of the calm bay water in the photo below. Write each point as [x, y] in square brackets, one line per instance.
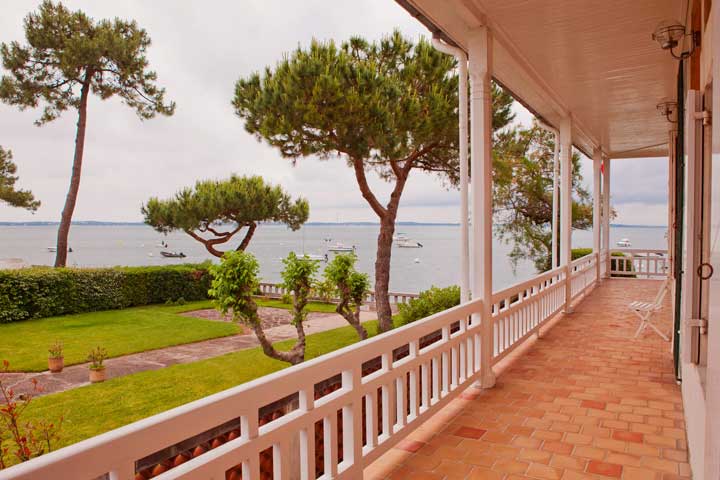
[412, 269]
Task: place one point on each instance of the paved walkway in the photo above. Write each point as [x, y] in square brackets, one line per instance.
[77, 375]
[584, 402]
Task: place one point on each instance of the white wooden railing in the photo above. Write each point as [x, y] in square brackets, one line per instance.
[520, 310]
[276, 290]
[639, 263]
[418, 369]
[583, 273]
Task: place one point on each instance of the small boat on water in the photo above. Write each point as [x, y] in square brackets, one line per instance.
[400, 237]
[624, 242]
[409, 244]
[314, 256]
[54, 249]
[340, 248]
[167, 254]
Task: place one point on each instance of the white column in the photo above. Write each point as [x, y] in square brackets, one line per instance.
[606, 213]
[480, 67]
[464, 210]
[555, 201]
[461, 58]
[566, 203]
[597, 160]
[672, 136]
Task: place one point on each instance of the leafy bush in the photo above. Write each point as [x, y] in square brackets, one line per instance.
[324, 290]
[428, 302]
[45, 292]
[580, 252]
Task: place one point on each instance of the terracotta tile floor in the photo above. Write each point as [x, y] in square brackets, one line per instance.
[585, 401]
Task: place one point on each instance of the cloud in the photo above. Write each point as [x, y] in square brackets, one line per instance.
[199, 50]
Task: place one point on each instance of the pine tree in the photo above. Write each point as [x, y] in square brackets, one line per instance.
[67, 57]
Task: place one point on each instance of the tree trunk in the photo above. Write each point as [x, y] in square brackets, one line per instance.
[71, 199]
[387, 216]
[294, 356]
[382, 272]
[354, 320]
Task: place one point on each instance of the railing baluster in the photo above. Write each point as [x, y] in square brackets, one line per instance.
[330, 444]
[307, 436]
[434, 363]
[413, 379]
[445, 362]
[400, 402]
[388, 398]
[251, 468]
[462, 358]
[424, 387]
[281, 460]
[470, 360]
[371, 419]
[352, 416]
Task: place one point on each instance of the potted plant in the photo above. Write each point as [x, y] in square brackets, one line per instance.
[56, 359]
[96, 357]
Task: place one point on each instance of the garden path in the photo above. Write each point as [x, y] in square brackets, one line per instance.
[77, 375]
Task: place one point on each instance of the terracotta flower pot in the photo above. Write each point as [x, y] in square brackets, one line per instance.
[97, 375]
[56, 364]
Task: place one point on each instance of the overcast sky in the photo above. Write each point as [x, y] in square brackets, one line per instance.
[199, 50]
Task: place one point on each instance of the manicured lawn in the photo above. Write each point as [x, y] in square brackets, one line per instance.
[121, 332]
[94, 409]
[25, 344]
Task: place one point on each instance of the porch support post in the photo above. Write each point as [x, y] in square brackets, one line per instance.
[597, 160]
[672, 138]
[480, 67]
[566, 204]
[606, 213]
[462, 60]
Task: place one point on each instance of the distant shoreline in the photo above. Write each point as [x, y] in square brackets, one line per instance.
[96, 223]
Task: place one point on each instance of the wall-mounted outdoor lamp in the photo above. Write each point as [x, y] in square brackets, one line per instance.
[667, 108]
[669, 33]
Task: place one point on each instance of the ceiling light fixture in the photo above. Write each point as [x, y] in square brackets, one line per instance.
[670, 33]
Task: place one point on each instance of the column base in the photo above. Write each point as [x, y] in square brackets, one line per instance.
[487, 380]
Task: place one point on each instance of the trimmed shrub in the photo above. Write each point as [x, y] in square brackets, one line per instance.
[45, 292]
[428, 302]
[580, 252]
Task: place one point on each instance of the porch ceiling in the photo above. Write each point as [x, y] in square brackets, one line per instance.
[594, 59]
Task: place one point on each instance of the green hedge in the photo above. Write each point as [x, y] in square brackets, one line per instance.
[45, 292]
[428, 303]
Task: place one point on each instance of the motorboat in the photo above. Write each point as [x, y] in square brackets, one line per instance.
[54, 249]
[400, 237]
[167, 254]
[313, 256]
[409, 244]
[624, 242]
[340, 248]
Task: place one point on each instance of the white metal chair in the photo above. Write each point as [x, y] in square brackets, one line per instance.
[644, 310]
